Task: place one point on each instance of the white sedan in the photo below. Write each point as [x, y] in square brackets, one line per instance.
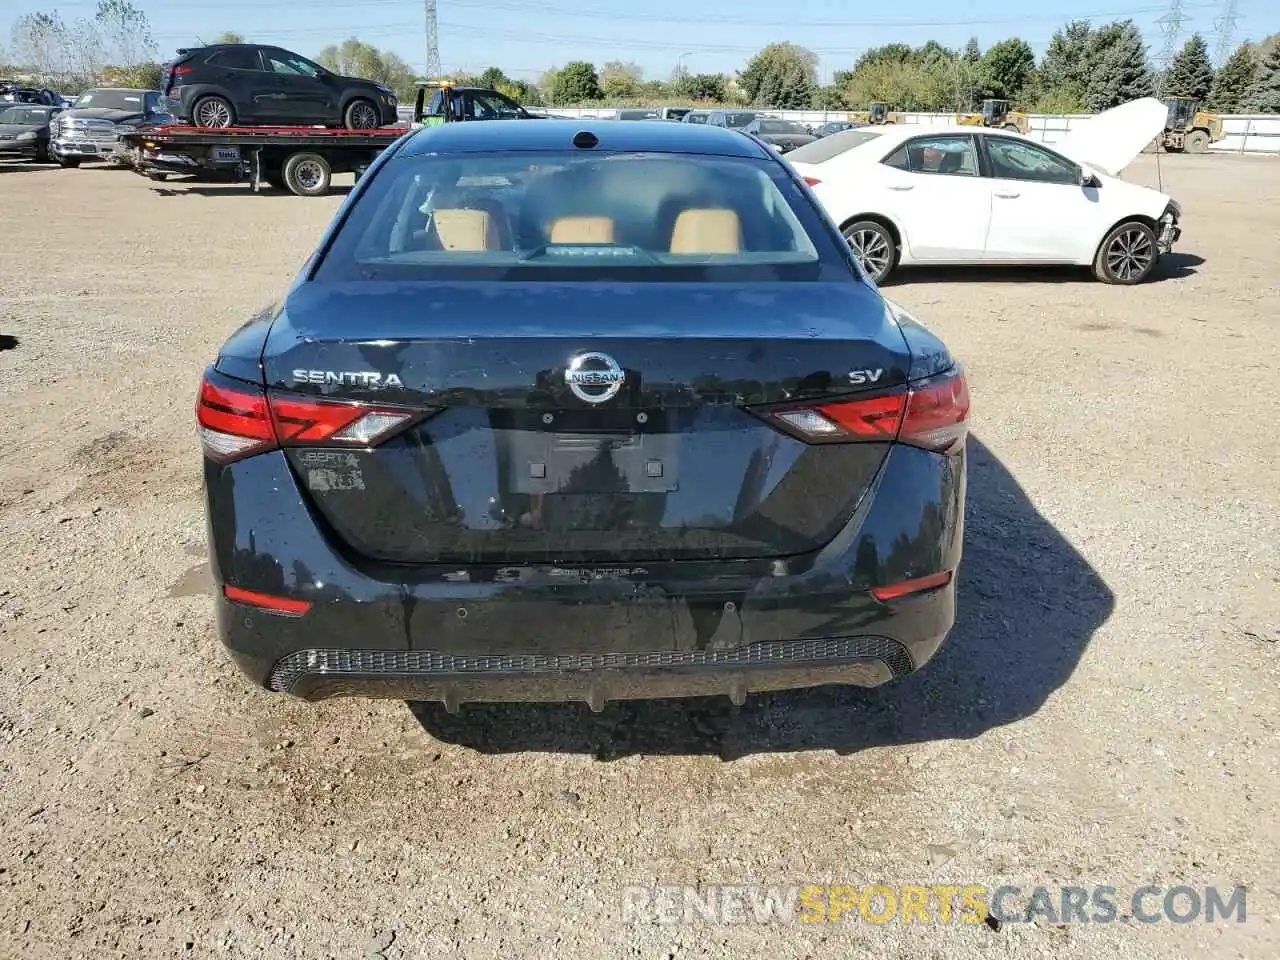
[908, 194]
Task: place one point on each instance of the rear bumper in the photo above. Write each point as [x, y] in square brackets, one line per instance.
[599, 634]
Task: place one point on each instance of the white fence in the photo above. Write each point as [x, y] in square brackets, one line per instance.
[1244, 134]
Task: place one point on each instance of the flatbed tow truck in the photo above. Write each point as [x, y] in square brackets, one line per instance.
[301, 160]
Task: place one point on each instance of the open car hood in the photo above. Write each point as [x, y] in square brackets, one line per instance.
[1111, 140]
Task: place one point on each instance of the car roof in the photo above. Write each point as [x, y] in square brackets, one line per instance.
[612, 135]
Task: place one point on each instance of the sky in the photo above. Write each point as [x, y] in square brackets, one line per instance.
[527, 37]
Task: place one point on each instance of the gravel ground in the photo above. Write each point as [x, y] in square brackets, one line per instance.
[1104, 713]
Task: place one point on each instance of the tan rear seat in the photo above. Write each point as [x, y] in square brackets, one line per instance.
[581, 230]
[707, 232]
[467, 231]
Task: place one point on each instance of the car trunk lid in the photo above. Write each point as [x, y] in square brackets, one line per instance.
[518, 454]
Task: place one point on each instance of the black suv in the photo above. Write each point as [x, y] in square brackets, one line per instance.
[230, 84]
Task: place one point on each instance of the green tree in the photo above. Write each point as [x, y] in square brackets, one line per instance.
[890, 53]
[492, 77]
[1119, 67]
[972, 52]
[782, 75]
[1067, 63]
[708, 87]
[1233, 83]
[621, 80]
[229, 36]
[355, 58]
[1264, 94]
[578, 82]
[1190, 74]
[1007, 68]
[904, 85]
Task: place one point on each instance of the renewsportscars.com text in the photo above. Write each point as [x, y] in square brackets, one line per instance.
[933, 904]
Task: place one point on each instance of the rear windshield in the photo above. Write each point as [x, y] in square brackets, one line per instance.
[780, 126]
[576, 216]
[822, 150]
[111, 99]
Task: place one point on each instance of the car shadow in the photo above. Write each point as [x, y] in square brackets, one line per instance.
[180, 189]
[1029, 604]
[7, 342]
[1171, 266]
[24, 165]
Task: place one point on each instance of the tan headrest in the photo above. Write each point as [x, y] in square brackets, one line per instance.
[582, 230]
[707, 231]
[469, 231]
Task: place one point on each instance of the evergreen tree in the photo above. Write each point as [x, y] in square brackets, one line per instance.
[1068, 62]
[1119, 73]
[1264, 96]
[1233, 83]
[1190, 74]
[782, 76]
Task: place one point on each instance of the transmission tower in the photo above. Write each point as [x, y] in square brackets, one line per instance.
[433, 40]
[1224, 27]
[1171, 29]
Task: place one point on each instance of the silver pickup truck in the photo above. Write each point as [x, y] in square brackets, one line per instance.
[91, 129]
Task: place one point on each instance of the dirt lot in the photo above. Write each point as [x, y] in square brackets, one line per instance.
[1105, 712]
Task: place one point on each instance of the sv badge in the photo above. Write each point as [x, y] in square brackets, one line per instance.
[865, 376]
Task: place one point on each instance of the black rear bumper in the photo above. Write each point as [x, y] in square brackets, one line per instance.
[547, 634]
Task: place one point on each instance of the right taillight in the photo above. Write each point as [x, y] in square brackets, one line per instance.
[932, 414]
[239, 420]
[812, 181]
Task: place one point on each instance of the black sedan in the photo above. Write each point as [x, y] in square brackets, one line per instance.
[784, 135]
[582, 411]
[836, 126]
[24, 131]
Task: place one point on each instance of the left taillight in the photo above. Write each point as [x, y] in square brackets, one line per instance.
[240, 420]
[932, 414]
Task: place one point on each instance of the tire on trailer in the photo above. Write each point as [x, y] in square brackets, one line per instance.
[1197, 141]
[307, 174]
[361, 114]
[1127, 254]
[213, 113]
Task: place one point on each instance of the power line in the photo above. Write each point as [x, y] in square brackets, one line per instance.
[433, 39]
[1171, 27]
[1224, 26]
[574, 11]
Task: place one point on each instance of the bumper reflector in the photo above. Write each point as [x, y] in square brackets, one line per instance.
[265, 601]
[896, 591]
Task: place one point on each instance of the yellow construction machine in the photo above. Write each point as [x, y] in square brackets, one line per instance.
[995, 113]
[877, 113]
[1188, 128]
